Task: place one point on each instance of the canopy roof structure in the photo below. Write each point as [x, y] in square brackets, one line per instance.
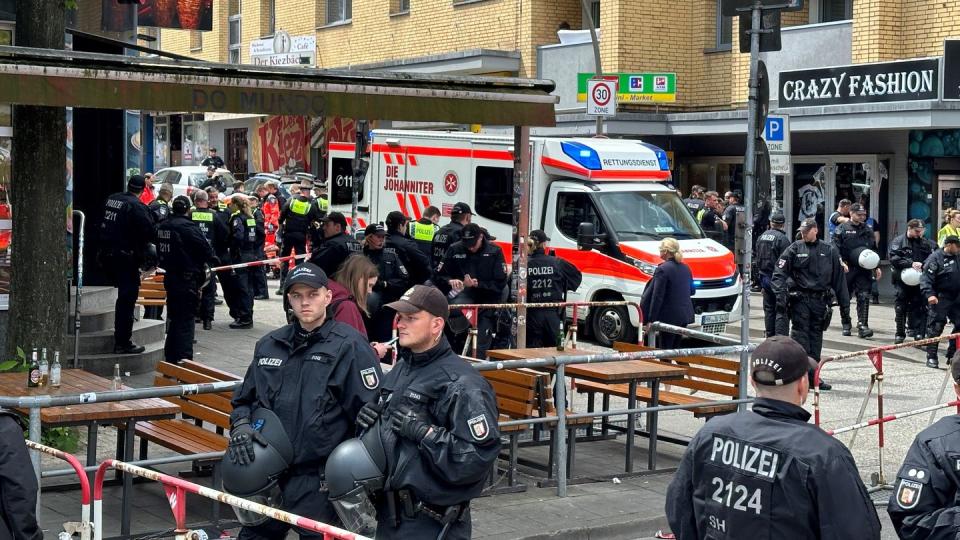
[78, 79]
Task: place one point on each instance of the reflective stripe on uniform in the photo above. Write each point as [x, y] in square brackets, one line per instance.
[299, 207]
[251, 222]
[201, 216]
[421, 231]
[323, 204]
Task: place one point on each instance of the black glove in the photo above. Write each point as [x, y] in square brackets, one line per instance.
[408, 425]
[242, 437]
[368, 415]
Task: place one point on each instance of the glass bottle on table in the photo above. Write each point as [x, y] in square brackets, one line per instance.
[561, 337]
[33, 372]
[44, 368]
[55, 370]
[117, 381]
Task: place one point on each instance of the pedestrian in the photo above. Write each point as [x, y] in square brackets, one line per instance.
[297, 218]
[273, 188]
[839, 216]
[940, 285]
[473, 271]
[183, 250]
[734, 206]
[767, 472]
[923, 504]
[258, 274]
[770, 245]
[852, 238]
[160, 207]
[809, 275]
[212, 159]
[423, 230]
[126, 231]
[437, 418]
[695, 202]
[548, 280]
[668, 296]
[18, 483]
[710, 216]
[337, 245]
[951, 226]
[446, 236]
[214, 229]
[907, 254]
[393, 280]
[242, 246]
[148, 194]
[327, 372]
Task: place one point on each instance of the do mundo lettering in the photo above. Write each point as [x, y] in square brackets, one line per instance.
[258, 101]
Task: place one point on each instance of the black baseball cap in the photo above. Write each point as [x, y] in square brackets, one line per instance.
[539, 236]
[807, 224]
[335, 217]
[396, 218]
[422, 298]
[180, 205]
[307, 273]
[136, 182]
[778, 361]
[778, 217]
[952, 239]
[375, 228]
[461, 208]
[857, 208]
[471, 232]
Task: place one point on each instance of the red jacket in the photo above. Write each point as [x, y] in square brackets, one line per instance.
[345, 307]
[148, 195]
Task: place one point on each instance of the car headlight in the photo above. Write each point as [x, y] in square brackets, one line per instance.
[645, 267]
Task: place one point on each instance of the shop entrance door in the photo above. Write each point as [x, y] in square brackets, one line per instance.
[236, 151]
[949, 195]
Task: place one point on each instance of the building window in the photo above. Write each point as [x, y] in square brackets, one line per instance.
[594, 7]
[268, 16]
[724, 29]
[398, 7]
[148, 37]
[494, 194]
[233, 32]
[196, 40]
[835, 10]
[339, 11]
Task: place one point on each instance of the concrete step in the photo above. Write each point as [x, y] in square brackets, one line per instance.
[94, 320]
[101, 341]
[135, 364]
[95, 297]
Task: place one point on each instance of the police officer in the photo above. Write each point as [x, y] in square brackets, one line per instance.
[447, 235]
[548, 280]
[849, 236]
[183, 251]
[214, 229]
[212, 159]
[160, 207]
[907, 251]
[940, 285]
[242, 245]
[474, 270]
[416, 261]
[808, 275]
[326, 372]
[734, 205]
[337, 245]
[214, 180]
[924, 502]
[297, 218]
[392, 280]
[767, 473]
[437, 418]
[770, 245]
[258, 274]
[321, 199]
[423, 230]
[18, 513]
[695, 202]
[125, 232]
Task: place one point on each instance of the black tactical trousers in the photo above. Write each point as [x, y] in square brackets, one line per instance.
[421, 526]
[776, 322]
[806, 317]
[208, 296]
[937, 317]
[543, 325]
[182, 300]
[301, 496]
[126, 277]
[910, 311]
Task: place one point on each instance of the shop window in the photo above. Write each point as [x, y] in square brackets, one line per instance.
[724, 29]
[341, 180]
[835, 10]
[494, 194]
[594, 7]
[196, 40]
[574, 209]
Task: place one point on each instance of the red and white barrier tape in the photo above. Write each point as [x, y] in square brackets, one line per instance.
[891, 417]
[260, 263]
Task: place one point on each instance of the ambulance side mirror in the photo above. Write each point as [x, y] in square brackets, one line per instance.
[587, 237]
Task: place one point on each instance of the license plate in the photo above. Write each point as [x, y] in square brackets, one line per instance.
[714, 318]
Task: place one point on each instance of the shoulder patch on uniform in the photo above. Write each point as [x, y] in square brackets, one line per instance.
[908, 493]
[370, 378]
[479, 428]
[781, 263]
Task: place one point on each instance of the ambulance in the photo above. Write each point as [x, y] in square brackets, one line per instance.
[621, 187]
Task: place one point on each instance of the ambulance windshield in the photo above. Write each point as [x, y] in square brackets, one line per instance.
[637, 215]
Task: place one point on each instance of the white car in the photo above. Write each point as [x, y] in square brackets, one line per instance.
[187, 179]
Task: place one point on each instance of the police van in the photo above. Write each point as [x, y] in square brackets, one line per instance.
[620, 187]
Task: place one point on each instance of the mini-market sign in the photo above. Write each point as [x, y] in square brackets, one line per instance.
[636, 87]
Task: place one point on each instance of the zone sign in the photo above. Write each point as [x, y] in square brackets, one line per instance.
[601, 98]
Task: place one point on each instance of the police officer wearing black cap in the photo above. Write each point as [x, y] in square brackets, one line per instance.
[437, 418]
[907, 254]
[126, 231]
[416, 261]
[850, 236]
[768, 473]
[808, 276]
[548, 280]
[474, 269]
[770, 245]
[924, 504]
[336, 245]
[242, 247]
[315, 375]
[183, 251]
[214, 229]
[446, 236]
[940, 285]
[160, 207]
[297, 218]
[392, 280]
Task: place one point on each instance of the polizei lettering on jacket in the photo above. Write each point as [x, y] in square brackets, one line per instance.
[911, 80]
[741, 455]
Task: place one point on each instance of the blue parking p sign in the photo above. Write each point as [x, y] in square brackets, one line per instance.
[774, 129]
[776, 133]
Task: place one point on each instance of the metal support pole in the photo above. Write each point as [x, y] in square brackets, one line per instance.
[34, 432]
[79, 290]
[749, 179]
[521, 227]
[361, 137]
[560, 402]
[598, 70]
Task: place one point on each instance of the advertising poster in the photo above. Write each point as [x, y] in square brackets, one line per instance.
[185, 14]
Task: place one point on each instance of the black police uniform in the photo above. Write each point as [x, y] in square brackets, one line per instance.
[488, 267]
[767, 473]
[422, 231]
[214, 181]
[808, 276]
[392, 280]
[258, 274]
[730, 217]
[215, 161]
[909, 304]
[694, 205]
[445, 237]
[923, 505]
[848, 237]
[448, 468]
[183, 250]
[242, 245]
[316, 382]
[18, 513]
[296, 220]
[415, 260]
[548, 280]
[941, 278]
[160, 210]
[770, 245]
[334, 251]
[126, 230]
[214, 229]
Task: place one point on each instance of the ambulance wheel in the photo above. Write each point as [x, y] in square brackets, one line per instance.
[612, 323]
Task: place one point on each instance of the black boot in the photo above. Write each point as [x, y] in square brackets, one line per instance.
[845, 320]
[863, 314]
[900, 318]
[932, 362]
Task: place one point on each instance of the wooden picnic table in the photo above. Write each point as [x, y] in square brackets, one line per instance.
[631, 372]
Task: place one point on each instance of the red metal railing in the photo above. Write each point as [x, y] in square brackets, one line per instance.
[83, 528]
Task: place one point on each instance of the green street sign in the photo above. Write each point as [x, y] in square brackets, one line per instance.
[636, 87]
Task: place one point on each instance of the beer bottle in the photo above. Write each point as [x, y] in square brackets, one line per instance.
[44, 368]
[33, 373]
[561, 336]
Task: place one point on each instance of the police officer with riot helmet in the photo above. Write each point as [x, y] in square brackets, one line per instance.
[297, 218]
[924, 503]
[183, 251]
[413, 258]
[940, 285]
[548, 280]
[808, 276]
[446, 236]
[214, 229]
[768, 473]
[315, 375]
[242, 244]
[437, 418]
[125, 233]
[336, 246]
[770, 245]
[851, 238]
[907, 254]
[392, 280]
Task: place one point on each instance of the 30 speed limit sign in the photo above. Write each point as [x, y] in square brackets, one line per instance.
[601, 98]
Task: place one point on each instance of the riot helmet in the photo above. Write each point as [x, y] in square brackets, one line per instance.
[355, 470]
[866, 258]
[910, 276]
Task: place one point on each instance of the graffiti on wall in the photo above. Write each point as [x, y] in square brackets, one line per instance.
[924, 147]
[281, 144]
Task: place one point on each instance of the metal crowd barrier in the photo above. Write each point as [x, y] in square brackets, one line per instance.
[83, 528]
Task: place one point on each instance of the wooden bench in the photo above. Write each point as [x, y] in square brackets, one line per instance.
[152, 296]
